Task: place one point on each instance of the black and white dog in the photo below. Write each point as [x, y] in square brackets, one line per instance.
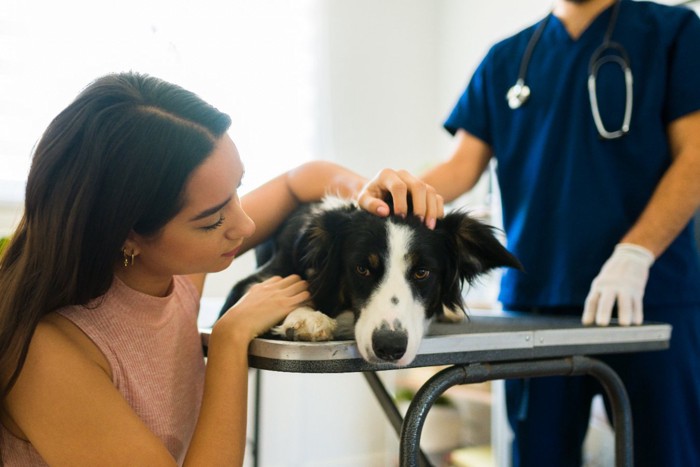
[379, 280]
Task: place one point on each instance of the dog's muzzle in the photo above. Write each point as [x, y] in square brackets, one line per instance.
[389, 343]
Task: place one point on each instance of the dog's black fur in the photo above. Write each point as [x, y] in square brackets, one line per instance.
[342, 251]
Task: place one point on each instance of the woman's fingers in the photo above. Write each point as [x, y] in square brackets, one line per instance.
[426, 203]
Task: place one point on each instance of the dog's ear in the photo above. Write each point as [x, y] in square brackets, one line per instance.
[477, 247]
[318, 252]
[475, 250]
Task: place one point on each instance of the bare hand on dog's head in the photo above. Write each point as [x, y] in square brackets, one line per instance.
[264, 305]
[427, 204]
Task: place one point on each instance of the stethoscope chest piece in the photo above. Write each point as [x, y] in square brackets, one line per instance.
[518, 94]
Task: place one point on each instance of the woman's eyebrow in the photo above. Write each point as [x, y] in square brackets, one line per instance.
[211, 210]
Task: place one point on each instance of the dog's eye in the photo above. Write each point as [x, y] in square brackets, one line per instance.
[421, 274]
[361, 270]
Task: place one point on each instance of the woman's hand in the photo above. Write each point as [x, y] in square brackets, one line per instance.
[427, 204]
[264, 305]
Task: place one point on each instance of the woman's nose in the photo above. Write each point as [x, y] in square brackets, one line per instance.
[242, 225]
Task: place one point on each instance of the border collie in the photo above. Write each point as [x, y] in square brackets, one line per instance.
[379, 280]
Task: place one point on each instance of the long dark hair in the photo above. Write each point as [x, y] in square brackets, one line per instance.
[115, 160]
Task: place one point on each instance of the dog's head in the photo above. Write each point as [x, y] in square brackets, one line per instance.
[394, 274]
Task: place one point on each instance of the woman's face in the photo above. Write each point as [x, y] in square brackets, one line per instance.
[208, 231]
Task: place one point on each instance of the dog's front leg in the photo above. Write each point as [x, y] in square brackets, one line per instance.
[306, 324]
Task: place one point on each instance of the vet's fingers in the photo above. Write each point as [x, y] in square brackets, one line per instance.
[605, 307]
[624, 310]
[590, 307]
[637, 311]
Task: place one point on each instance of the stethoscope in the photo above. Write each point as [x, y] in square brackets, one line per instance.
[519, 93]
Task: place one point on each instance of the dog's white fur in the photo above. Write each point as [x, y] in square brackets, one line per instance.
[393, 302]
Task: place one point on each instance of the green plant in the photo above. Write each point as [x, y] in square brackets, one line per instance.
[3, 242]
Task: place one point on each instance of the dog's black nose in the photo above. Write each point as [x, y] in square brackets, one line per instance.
[388, 344]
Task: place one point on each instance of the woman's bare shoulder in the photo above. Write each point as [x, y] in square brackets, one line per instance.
[60, 331]
[65, 382]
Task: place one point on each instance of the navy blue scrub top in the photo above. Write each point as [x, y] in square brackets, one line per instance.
[568, 196]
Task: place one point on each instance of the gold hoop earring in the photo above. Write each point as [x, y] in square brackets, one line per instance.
[128, 259]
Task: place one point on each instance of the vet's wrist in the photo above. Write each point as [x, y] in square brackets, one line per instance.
[637, 251]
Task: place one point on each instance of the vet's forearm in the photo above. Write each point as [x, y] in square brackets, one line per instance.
[677, 196]
[671, 207]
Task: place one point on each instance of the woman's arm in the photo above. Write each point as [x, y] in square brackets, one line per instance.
[272, 202]
[220, 435]
[66, 405]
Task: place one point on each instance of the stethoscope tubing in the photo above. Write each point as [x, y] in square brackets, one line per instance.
[596, 64]
[520, 92]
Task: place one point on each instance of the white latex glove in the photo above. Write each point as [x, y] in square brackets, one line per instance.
[622, 279]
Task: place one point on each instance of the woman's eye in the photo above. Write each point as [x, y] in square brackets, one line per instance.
[421, 274]
[361, 270]
[215, 225]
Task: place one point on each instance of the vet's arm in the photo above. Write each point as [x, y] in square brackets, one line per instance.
[674, 201]
[458, 174]
[677, 196]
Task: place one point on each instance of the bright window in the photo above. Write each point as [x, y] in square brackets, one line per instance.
[252, 59]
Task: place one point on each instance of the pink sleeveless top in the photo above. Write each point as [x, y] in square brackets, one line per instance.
[153, 347]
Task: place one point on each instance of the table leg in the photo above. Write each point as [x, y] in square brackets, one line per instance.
[480, 372]
[255, 448]
[390, 410]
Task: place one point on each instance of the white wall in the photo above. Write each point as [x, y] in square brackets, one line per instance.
[391, 72]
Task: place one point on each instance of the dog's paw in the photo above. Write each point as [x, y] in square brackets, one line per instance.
[451, 316]
[305, 324]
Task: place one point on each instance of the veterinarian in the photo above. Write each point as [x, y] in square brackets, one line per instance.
[593, 117]
[131, 199]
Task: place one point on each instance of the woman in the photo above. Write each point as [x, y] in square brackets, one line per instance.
[131, 199]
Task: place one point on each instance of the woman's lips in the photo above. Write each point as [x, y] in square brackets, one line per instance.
[232, 252]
